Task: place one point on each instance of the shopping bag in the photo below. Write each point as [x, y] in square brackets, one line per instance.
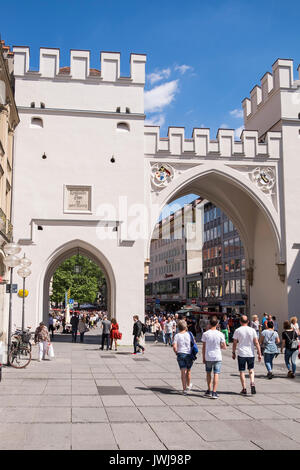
[50, 350]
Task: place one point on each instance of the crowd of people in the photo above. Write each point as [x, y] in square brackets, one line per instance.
[181, 331]
[216, 334]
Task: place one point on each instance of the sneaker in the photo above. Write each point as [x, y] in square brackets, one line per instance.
[184, 392]
[133, 354]
[207, 394]
[243, 392]
[290, 373]
[253, 390]
[214, 395]
[189, 387]
[269, 375]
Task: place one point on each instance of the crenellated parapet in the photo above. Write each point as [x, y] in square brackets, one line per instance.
[79, 68]
[201, 145]
[280, 79]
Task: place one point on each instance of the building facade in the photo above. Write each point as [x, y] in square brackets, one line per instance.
[223, 264]
[86, 165]
[9, 120]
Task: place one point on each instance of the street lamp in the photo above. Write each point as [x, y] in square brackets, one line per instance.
[11, 261]
[24, 272]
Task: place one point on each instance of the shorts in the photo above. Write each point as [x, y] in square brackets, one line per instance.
[185, 361]
[242, 361]
[213, 365]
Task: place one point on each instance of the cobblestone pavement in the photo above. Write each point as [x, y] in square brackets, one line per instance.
[91, 399]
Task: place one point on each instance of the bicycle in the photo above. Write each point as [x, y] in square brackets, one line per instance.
[19, 355]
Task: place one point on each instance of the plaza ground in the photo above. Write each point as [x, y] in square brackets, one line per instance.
[91, 399]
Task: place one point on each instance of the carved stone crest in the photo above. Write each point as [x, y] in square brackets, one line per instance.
[161, 175]
[264, 177]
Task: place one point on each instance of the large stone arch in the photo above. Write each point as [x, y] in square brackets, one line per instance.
[66, 251]
[254, 214]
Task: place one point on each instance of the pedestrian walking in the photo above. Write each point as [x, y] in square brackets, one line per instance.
[106, 327]
[168, 327]
[212, 343]
[156, 329]
[74, 323]
[290, 343]
[82, 327]
[51, 325]
[255, 325]
[137, 335]
[244, 340]
[183, 348]
[114, 333]
[224, 328]
[275, 323]
[162, 325]
[42, 338]
[268, 342]
[295, 325]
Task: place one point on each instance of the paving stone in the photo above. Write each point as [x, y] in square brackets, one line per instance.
[89, 415]
[227, 412]
[179, 436]
[136, 436]
[124, 414]
[116, 400]
[259, 412]
[90, 401]
[289, 428]
[193, 413]
[234, 445]
[281, 444]
[146, 400]
[92, 436]
[159, 414]
[215, 432]
[111, 390]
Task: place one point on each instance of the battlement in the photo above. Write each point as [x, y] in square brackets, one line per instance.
[201, 146]
[280, 79]
[79, 69]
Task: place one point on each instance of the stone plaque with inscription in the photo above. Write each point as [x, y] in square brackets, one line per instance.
[78, 198]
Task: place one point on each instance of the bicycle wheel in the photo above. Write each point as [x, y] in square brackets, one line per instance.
[19, 357]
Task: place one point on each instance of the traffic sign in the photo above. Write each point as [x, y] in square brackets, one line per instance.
[14, 288]
[71, 301]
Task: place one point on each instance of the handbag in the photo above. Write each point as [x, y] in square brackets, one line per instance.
[194, 347]
[119, 335]
[50, 350]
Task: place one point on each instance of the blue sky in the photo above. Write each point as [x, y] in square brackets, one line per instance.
[203, 57]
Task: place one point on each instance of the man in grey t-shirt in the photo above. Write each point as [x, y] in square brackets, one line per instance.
[106, 327]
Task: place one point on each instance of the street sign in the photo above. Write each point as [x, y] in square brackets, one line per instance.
[14, 288]
[157, 301]
[71, 301]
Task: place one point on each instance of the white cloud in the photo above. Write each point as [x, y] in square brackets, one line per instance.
[237, 113]
[183, 68]
[159, 75]
[224, 126]
[238, 131]
[160, 96]
[156, 120]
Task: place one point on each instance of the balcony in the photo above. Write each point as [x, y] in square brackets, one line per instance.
[6, 228]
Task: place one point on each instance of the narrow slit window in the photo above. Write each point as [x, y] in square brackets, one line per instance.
[36, 122]
[123, 127]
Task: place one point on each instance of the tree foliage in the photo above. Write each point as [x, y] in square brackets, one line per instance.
[84, 286]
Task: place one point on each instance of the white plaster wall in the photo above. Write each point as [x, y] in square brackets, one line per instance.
[79, 147]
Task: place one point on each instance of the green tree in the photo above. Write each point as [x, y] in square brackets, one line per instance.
[84, 285]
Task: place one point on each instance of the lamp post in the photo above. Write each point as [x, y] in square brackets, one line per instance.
[11, 261]
[24, 272]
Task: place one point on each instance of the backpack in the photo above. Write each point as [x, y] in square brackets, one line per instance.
[292, 343]
[194, 347]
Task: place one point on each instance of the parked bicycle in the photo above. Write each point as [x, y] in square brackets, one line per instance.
[19, 355]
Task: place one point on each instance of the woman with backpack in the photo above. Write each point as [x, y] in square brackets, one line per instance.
[268, 341]
[290, 342]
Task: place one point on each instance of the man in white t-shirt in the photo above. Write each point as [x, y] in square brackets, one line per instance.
[213, 341]
[244, 340]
